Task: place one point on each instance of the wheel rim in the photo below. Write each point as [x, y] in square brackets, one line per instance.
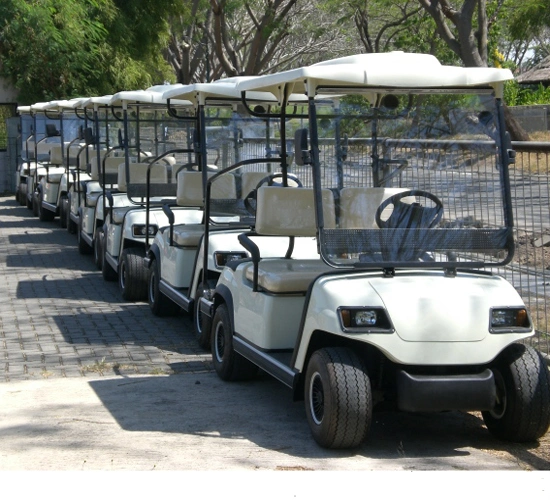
[501, 400]
[152, 286]
[219, 342]
[198, 317]
[316, 398]
[122, 275]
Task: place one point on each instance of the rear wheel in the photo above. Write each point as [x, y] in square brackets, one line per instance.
[522, 412]
[338, 398]
[71, 225]
[229, 365]
[159, 303]
[63, 204]
[98, 250]
[132, 275]
[35, 204]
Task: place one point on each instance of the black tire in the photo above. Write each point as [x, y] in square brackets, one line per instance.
[132, 275]
[35, 204]
[22, 194]
[28, 201]
[338, 398]
[159, 303]
[83, 247]
[522, 413]
[63, 204]
[108, 273]
[71, 225]
[98, 249]
[44, 214]
[202, 324]
[229, 365]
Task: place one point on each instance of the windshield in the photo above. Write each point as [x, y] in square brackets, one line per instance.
[417, 180]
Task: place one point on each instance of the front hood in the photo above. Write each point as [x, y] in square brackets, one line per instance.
[443, 309]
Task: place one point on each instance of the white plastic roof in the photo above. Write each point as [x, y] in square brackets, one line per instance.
[153, 96]
[382, 70]
[223, 89]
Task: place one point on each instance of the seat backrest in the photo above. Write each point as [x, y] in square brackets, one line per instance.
[289, 211]
[111, 165]
[138, 174]
[358, 206]
[249, 181]
[56, 156]
[190, 190]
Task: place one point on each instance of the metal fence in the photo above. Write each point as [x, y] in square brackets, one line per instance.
[529, 271]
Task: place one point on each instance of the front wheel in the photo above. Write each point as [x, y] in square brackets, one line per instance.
[338, 398]
[132, 275]
[522, 412]
[229, 365]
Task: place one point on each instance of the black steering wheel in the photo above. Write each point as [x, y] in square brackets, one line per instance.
[410, 215]
[270, 180]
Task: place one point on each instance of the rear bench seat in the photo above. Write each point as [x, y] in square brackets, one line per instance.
[190, 194]
[283, 211]
[160, 174]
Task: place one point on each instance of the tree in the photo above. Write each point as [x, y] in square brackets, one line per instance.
[465, 29]
[66, 48]
[220, 38]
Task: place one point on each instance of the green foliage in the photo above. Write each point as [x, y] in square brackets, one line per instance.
[53, 49]
[520, 95]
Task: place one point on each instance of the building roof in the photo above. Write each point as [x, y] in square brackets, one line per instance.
[537, 74]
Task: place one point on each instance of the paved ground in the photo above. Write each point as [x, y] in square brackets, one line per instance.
[90, 382]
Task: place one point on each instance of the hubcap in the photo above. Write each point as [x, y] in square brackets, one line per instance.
[500, 407]
[219, 343]
[316, 398]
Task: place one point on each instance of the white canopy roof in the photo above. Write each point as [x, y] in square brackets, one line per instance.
[225, 89]
[382, 70]
[153, 96]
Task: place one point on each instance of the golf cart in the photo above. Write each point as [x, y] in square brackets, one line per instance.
[410, 206]
[27, 163]
[54, 186]
[148, 185]
[48, 151]
[181, 268]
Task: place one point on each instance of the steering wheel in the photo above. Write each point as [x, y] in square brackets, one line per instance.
[250, 198]
[410, 215]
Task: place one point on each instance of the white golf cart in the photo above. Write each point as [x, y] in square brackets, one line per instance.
[27, 163]
[48, 151]
[148, 186]
[182, 269]
[74, 155]
[411, 209]
[85, 187]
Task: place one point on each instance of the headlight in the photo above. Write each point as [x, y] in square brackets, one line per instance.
[365, 320]
[222, 258]
[509, 319]
[140, 230]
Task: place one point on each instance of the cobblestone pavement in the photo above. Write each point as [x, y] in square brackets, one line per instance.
[59, 318]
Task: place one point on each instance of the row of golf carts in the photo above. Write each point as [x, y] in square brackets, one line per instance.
[338, 226]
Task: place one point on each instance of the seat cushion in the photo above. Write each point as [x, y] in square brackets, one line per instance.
[188, 235]
[286, 275]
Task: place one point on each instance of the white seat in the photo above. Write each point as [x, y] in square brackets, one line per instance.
[358, 206]
[284, 211]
